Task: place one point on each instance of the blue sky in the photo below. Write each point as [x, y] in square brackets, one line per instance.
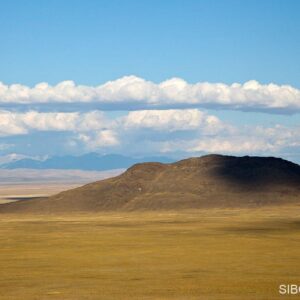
[94, 42]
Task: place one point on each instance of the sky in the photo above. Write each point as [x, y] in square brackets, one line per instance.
[139, 78]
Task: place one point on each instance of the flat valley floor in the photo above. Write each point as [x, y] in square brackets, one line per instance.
[204, 254]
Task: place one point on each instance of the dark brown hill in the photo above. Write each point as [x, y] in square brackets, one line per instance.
[208, 181]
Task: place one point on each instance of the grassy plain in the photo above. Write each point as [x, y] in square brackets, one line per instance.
[204, 254]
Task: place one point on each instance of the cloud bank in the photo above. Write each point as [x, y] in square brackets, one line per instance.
[12, 123]
[134, 93]
[188, 131]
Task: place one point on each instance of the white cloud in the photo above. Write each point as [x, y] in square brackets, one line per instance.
[209, 134]
[9, 125]
[138, 93]
[12, 123]
[167, 131]
[239, 140]
[49, 121]
[12, 157]
[233, 145]
[101, 139]
[218, 144]
[172, 120]
[92, 129]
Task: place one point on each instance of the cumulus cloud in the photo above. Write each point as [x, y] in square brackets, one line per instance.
[234, 145]
[195, 132]
[189, 131]
[9, 125]
[172, 120]
[133, 93]
[101, 139]
[92, 129]
[239, 140]
[12, 123]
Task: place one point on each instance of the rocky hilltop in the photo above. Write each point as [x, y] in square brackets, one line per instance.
[202, 182]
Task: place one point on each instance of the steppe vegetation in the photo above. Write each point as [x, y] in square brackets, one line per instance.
[196, 254]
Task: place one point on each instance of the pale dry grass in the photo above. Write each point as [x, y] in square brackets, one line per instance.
[204, 254]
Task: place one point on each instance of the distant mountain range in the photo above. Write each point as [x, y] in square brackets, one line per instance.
[90, 161]
[52, 176]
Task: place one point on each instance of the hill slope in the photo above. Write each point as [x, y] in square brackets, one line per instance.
[208, 181]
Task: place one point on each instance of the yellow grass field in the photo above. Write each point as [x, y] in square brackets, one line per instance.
[205, 254]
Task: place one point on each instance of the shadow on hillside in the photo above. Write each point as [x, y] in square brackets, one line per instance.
[257, 171]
